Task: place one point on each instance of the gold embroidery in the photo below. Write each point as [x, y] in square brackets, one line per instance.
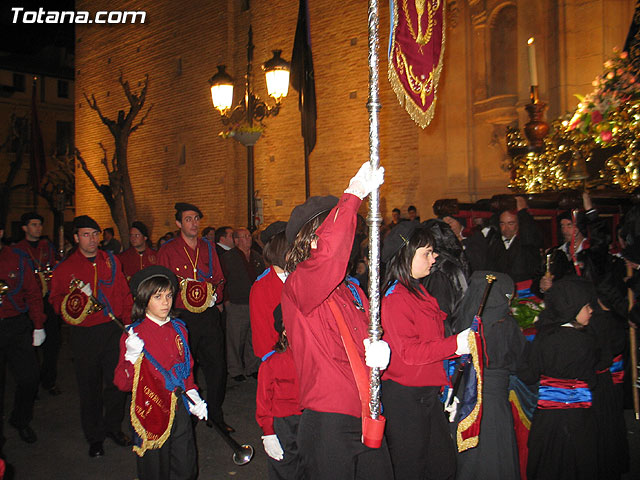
[465, 444]
[421, 38]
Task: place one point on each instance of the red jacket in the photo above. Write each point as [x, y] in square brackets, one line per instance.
[41, 256]
[112, 288]
[24, 292]
[414, 329]
[277, 394]
[324, 374]
[263, 299]
[132, 261]
[162, 343]
[173, 256]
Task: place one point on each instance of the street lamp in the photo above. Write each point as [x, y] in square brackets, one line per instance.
[251, 108]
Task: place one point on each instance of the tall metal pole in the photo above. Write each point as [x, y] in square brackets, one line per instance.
[249, 100]
[374, 219]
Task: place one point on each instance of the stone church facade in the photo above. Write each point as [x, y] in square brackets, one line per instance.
[177, 155]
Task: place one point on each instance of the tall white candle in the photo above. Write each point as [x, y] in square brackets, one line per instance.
[533, 68]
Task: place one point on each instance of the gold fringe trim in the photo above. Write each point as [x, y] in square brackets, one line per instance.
[68, 318]
[513, 398]
[422, 118]
[135, 421]
[469, 419]
[191, 308]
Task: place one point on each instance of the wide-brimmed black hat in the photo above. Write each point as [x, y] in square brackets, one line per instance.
[85, 221]
[27, 217]
[397, 238]
[142, 227]
[306, 212]
[184, 207]
[149, 272]
[272, 230]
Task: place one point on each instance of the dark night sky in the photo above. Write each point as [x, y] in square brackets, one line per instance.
[30, 38]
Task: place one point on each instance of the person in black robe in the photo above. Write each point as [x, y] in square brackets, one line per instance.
[448, 278]
[563, 438]
[496, 456]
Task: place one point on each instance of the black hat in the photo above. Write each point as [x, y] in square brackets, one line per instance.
[183, 207]
[397, 238]
[85, 221]
[272, 230]
[306, 212]
[27, 217]
[142, 227]
[149, 272]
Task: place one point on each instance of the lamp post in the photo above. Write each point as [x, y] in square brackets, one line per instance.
[251, 108]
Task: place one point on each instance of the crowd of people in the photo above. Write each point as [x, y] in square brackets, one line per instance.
[288, 305]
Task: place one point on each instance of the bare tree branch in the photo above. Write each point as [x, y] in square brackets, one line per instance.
[86, 170]
[141, 122]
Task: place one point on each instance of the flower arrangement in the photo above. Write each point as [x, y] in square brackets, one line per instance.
[599, 113]
[525, 311]
[242, 127]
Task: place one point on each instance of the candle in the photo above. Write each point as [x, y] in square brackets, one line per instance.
[533, 69]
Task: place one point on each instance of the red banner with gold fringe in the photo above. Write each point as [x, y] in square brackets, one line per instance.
[416, 52]
[152, 407]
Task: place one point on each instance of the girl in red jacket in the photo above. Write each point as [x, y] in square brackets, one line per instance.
[417, 430]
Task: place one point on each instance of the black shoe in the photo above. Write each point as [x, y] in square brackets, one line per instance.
[96, 449]
[54, 391]
[222, 425]
[119, 438]
[27, 434]
[239, 378]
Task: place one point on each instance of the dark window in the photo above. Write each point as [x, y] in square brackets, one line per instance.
[18, 82]
[63, 89]
[64, 137]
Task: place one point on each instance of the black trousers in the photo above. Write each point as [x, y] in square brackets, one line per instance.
[95, 353]
[331, 448]
[17, 353]
[417, 432]
[176, 459]
[50, 349]
[286, 428]
[206, 339]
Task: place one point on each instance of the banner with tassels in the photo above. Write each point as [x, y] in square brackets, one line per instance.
[416, 53]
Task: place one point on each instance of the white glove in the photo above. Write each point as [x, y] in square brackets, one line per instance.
[462, 339]
[38, 337]
[199, 406]
[213, 300]
[376, 354]
[86, 289]
[365, 181]
[452, 409]
[134, 346]
[272, 447]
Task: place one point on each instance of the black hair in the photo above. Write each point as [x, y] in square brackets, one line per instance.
[395, 210]
[411, 208]
[145, 291]
[109, 230]
[206, 231]
[399, 266]
[275, 251]
[221, 232]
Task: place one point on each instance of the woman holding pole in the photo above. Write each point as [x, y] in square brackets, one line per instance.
[417, 431]
[317, 302]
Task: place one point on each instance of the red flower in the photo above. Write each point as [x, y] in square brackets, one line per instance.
[596, 116]
[606, 135]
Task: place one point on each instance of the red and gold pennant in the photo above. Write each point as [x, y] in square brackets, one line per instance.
[416, 52]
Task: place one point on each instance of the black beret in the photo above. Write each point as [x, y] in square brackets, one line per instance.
[85, 221]
[183, 207]
[27, 217]
[142, 227]
[397, 238]
[272, 230]
[309, 210]
[149, 272]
